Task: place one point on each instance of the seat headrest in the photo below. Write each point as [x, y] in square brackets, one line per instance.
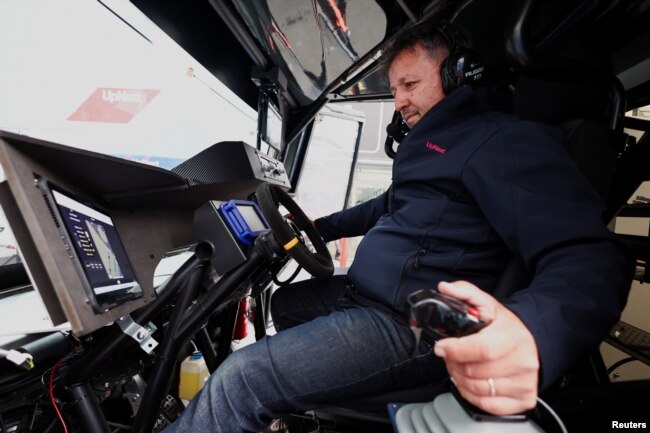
[553, 102]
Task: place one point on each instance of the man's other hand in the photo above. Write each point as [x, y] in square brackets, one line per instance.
[497, 368]
[288, 216]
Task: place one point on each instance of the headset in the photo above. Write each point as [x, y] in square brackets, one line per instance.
[463, 66]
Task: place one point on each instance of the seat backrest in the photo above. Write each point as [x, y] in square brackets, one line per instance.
[583, 112]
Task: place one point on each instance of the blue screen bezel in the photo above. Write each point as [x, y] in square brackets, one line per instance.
[231, 214]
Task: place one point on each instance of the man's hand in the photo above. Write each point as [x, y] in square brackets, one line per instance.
[497, 368]
[288, 216]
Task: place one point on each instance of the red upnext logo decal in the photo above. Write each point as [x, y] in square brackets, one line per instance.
[113, 105]
[435, 147]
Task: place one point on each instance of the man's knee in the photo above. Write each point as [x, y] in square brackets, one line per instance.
[231, 373]
[235, 391]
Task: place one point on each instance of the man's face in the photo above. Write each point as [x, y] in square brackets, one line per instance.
[414, 78]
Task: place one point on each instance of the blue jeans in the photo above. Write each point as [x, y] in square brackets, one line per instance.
[327, 350]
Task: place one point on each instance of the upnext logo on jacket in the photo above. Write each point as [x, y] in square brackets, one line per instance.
[435, 147]
[113, 105]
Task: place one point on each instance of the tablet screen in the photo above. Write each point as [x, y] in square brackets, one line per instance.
[94, 238]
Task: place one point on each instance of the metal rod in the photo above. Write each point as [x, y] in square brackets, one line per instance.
[85, 405]
[209, 353]
[259, 321]
[228, 288]
[409, 13]
[162, 372]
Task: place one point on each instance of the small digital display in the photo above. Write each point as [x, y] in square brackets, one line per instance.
[100, 252]
[244, 219]
[252, 218]
[273, 123]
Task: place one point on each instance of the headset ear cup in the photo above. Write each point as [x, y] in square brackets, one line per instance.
[471, 68]
[460, 68]
[450, 70]
[446, 77]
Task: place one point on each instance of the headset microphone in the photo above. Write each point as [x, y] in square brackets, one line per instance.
[395, 132]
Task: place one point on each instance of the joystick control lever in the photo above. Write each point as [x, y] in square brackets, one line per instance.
[443, 315]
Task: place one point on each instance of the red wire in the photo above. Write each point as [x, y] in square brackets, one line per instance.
[56, 408]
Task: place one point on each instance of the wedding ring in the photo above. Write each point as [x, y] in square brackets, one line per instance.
[493, 388]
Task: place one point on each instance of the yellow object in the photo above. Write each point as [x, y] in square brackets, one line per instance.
[194, 373]
[292, 243]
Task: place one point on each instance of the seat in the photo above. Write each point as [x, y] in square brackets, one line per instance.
[584, 112]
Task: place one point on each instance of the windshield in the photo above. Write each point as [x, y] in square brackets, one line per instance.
[101, 76]
[315, 41]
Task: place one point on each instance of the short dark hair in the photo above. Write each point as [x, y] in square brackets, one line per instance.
[426, 34]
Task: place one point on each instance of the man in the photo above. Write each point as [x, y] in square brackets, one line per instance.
[469, 187]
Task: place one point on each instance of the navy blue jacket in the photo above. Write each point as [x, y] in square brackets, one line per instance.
[470, 187]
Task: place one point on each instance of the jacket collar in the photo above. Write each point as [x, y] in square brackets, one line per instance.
[458, 103]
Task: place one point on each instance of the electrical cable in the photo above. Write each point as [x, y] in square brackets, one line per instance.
[553, 414]
[52, 399]
[274, 277]
[617, 364]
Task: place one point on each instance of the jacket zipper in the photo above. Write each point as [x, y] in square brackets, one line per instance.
[413, 262]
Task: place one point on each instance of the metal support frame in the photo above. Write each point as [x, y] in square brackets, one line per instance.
[162, 373]
[103, 352]
[187, 319]
[141, 334]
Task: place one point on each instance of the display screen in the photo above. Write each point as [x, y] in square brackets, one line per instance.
[100, 252]
[244, 219]
[252, 218]
[273, 124]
